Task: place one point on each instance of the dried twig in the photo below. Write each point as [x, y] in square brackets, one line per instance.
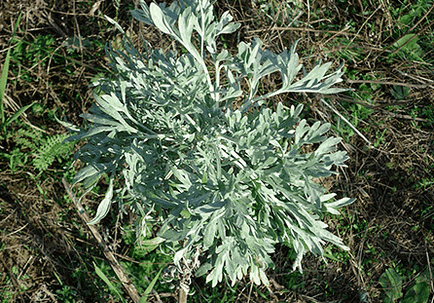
[346, 121]
[126, 282]
[389, 83]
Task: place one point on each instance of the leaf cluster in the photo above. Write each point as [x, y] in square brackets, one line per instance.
[30, 144]
[50, 148]
[233, 182]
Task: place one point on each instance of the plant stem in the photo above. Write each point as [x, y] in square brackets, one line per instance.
[182, 298]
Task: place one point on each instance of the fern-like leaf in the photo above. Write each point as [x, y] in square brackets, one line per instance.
[51, 148]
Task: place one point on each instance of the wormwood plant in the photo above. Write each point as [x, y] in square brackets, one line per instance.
[222, 183]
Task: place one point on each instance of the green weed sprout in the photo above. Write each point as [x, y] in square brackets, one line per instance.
[221, 183]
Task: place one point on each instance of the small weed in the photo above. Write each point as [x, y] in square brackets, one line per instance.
[426, 113]
[336, 255]
[66, 294]
[51, 148]
[6, 289]
[392, 282]
[151, 260]
[343, 49]
[400, 92]
[293, 280]
[33, 53]
[102, 270]
[380, 137]
[409, 46]
[29, 143]
[151, 264]
[424, 183]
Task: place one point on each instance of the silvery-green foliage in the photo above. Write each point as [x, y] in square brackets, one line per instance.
[230, 182]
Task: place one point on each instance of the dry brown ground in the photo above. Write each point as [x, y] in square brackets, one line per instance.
[44, 245]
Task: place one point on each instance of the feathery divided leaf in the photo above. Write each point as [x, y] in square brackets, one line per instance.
[232, 182]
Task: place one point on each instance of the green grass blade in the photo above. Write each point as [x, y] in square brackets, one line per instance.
[3, 81]
[100, 274]
[17, 114]
[4, 75]
[150, 287]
